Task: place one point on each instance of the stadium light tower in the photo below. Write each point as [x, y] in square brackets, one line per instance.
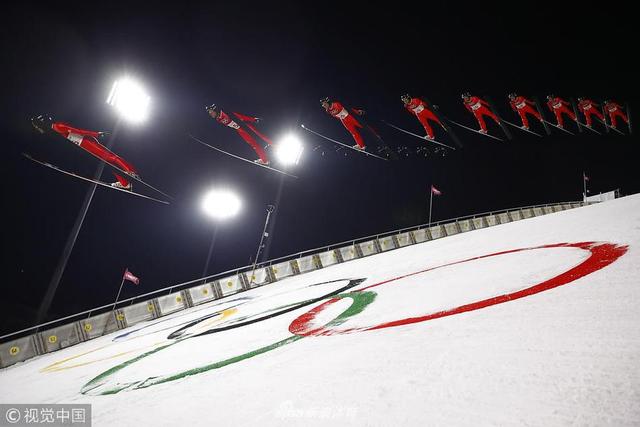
[219, 204]
[289, 150]
[130, 100]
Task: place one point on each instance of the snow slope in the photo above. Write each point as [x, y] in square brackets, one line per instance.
[535, 322]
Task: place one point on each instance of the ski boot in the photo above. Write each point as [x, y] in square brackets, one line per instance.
[261, 162]
[483, 131]
[117, 184]
[357, 147]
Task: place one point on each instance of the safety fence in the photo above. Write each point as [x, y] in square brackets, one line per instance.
[67, 331]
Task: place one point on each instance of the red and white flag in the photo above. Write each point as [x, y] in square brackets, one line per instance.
[130, 277]
[435, 191]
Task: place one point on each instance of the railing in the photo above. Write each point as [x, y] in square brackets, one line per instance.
[185, 287]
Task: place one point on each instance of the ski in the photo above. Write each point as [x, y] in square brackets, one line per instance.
[448, 129]
[425, 138]
[558, 127]
[473, 130]
[544, 123]
[521, 128]
[101, 183]
[341, 143]
[609, 127]
[384, 147]
[240, 158]
[502, 126]
[588, 127]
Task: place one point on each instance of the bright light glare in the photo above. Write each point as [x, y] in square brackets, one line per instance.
[289, 150]
[130, 100]
[221, 204]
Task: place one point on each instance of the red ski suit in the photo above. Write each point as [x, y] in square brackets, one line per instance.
[87, 140]
[418, 107]
[223, 118]
[590, 108]
[615, 111]
[348, 121]
[560, 106]
[480, 108]
[523, 106]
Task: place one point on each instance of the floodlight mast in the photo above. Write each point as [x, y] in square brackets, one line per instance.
[220, 205]
[270, 209]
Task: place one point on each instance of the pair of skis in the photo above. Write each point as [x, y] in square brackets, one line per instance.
[425, 138]
[241, 158]
[106, 184]
[442, 123]
[98, 182]
[342, 144]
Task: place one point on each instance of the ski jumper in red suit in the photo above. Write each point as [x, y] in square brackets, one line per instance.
[589, 109]
[614, 110]
[339, 112]
[419, 108]
[480, 108]
[559, 107]
[87, 140]
[523, 106]
[223, 118]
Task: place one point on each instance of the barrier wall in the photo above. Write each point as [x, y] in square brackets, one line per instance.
[479, 223]
[387, 243]
[527, 213]
[329, 258]
[451, 229]
[60, 337]
[230, 285]
[259, 277]
[72, 333]
[422, 235]
[437, 232]
[201, 294]
[504, 218]
[405, 239]
[369, 248]
[308, 263]
[18, 350]
[171, 303]
[348, 253]
[284, 269]
[102, 324]
[139, 312]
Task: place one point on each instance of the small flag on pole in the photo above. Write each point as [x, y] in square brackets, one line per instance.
[435, 191]
[130, 277]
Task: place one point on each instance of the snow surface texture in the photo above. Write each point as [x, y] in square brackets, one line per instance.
[464, 330]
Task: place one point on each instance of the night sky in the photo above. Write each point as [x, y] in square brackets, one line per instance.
[275, 61]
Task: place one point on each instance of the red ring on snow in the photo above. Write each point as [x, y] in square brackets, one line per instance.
[602, 254]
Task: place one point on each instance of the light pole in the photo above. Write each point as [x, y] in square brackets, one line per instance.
[270, 209]
[219, 204]
[131, 102]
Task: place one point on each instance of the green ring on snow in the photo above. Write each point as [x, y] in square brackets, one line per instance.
[360, 301]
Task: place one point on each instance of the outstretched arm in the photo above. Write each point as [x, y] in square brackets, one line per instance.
[244, 118]
[71, 129]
